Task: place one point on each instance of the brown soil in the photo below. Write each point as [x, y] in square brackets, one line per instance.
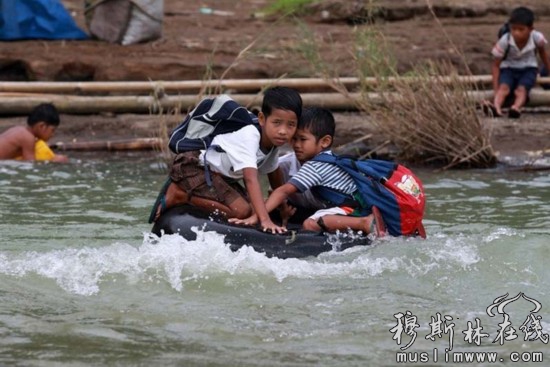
[193, 43]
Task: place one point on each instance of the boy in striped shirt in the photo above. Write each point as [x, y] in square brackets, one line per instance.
[315, 136]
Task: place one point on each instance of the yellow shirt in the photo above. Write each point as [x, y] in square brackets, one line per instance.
[42, 151]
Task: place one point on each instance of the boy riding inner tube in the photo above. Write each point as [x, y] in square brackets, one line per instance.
[293, 244]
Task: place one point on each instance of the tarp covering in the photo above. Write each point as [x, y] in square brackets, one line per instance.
[37, 19]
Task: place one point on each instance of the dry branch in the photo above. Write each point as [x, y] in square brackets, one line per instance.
[432, 120]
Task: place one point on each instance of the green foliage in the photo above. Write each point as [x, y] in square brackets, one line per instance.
[372, 54]
[287, 7]
[373, 58]
[309, 49]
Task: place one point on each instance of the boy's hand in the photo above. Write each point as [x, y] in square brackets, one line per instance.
[250, 221]
[286, 212]
[60, 158]
[269, 226]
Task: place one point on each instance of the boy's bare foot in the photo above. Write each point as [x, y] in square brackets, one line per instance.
[169, 196]
[377, 225]
[174, 196]
[490, 110]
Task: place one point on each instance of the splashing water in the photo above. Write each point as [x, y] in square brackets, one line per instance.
[82, 277]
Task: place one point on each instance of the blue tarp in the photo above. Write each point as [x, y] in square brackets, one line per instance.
[37, 19]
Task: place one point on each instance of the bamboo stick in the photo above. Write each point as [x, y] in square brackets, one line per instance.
[170, 86]
[343, 147]
[145, 104]
[125, 144]
[191, 86]
[23, 104]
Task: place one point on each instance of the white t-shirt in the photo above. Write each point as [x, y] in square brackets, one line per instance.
[241, 150]
[516, 58]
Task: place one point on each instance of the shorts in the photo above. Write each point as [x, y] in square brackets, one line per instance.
[526, 77]
[191, 177]
[339, 210]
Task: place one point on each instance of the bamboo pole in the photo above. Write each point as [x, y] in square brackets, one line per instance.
[23, 104]
[170, 86]
[125, 144]
[191, 86]
[145, 104]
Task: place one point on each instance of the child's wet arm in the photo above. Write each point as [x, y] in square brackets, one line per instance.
[275, 178]
[279, 196]
[544, 56]
[250, 177]
[28, 149]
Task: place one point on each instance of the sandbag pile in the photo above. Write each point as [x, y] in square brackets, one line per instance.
[125, 21]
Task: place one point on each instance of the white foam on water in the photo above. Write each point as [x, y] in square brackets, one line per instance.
[481, 199]
[536, 182]
[174, 260]
[499, 233]
[455, 250]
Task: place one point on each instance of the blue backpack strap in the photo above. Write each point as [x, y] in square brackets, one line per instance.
[377, 169]
[325, 157]
[507, 51]
[505, 30]
[326, 193]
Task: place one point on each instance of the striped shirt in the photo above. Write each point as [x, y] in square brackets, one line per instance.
[315, 173]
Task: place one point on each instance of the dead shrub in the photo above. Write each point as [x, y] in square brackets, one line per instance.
[430, 117]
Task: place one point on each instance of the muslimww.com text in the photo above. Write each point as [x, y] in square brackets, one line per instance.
[467, 357]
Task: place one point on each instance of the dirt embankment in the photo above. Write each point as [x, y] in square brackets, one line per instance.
[194, 42]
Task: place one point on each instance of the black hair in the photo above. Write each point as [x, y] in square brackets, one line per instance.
[45, 112]
[282, 98]
[523, 16]
[318, 121]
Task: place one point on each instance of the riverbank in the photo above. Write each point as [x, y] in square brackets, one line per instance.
[521, 142]
[194, 42]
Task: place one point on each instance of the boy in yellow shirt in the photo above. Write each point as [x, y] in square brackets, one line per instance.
[29, 142]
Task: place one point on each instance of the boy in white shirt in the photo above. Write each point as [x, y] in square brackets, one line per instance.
[244, 154]
[515, 65]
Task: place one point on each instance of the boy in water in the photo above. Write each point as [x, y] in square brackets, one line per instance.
[515, 65]
[29, 142]
[244, 154]
[314, 136]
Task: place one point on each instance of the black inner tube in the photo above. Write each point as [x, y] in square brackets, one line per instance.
[296, 243]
